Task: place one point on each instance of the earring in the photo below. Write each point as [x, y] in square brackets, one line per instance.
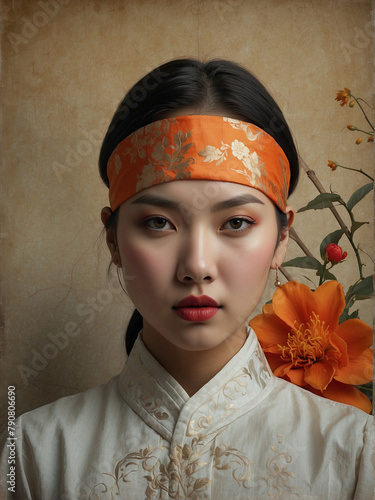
[277, 281]
[119, 280]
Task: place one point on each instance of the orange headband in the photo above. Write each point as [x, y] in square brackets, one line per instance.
[198, 147]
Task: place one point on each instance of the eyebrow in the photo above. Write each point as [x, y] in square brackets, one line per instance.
[244, 199]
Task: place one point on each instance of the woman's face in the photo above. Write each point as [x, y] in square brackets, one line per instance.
[195, 257]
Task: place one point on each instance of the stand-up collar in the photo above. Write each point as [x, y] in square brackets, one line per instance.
[166, 407]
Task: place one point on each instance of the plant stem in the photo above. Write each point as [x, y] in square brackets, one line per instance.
[360, 265]
[367, 104]
[356, 170]
[312, 176]
[285, 273]
[294, 236]
[364, 388]
[321, 279]
[364, 131]
[363, 111]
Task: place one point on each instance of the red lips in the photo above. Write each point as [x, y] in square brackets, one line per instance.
[197, 309]
[202, 301]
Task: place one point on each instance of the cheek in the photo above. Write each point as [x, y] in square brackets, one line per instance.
[249, 264]
[146, 266]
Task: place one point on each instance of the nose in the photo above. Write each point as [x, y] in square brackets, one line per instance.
[197, 259]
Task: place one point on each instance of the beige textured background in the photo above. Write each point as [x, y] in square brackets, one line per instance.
[65, 66]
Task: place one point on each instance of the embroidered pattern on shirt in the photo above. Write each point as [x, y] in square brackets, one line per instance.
[220, 404]
[183, 476]
[279, 476]
[146, 389]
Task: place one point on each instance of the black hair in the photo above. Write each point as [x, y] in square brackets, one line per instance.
[206, 87]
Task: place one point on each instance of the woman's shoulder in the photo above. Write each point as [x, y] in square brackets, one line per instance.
[321, 409]
[75, 409]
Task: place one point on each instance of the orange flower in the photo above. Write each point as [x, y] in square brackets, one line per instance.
[343, 96]
[359, 140]
[370, 139]
[332, 165]
[304, 343]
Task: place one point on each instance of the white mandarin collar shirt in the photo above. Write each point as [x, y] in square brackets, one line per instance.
[244, 435]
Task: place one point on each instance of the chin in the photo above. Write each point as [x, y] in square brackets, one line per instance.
[199, 340]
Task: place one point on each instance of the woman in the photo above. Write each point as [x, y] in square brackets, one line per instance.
[196, 412]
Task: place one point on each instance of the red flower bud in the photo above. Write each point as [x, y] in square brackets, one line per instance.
[334, 253]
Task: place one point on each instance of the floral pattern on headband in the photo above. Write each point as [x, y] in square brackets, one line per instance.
[246, 127]
[165, 158]
[188, 147]
[253, 164]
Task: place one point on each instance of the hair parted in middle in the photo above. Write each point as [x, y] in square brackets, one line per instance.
[218, 87]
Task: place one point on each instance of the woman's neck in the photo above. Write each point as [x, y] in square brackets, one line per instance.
[192, 369]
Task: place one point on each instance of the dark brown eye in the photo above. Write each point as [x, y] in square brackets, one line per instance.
[236, 223]
[159, 222]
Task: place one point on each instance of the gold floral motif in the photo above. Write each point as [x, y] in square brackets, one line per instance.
[142, 138]
[225, 399]
[254, 167]
[211, 153]
[242, 473]
[165, 157]
[131, 463]
[146, 387]
[239, 125]
[279, 475]
[184, 475]
[187, 147]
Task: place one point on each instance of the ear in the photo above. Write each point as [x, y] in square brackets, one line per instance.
[281, 249]
[110, 236]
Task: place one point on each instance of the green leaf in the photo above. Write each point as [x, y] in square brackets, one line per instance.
[359, 194]
[356, 225]
[367, 389]
[313, 286]
[323, 200]
[327, 275]
[345, 315]
[362, 290]
[330, 238]
[304, 262]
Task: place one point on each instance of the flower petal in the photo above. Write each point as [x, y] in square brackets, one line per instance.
[331, 302]
[267, 309]
[283, 369]
[358, 370]
[296, 376]
[274, 361]
[320, 374]
[357, 335]
[294, 303]
[270, 330]
[343, 393]
[340, 346]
